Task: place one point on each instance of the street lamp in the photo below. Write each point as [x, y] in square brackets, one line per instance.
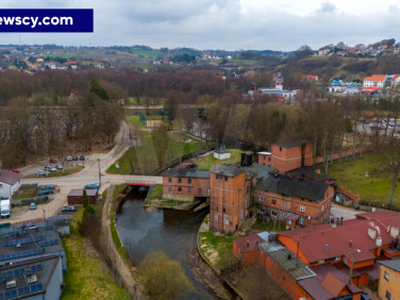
[352, 262]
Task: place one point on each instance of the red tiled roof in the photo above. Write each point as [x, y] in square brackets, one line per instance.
[9, 177]
[313, 241]
[375, 77]
[252, 240]
[333, 285]
[386, 218]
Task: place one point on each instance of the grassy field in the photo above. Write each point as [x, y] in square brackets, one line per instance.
[135, 120]
[207, 161]
[217, 249]
[145, 155]
[86, 277]
[351, 175]
[156, 192]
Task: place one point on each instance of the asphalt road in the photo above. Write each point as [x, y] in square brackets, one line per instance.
[90, 173]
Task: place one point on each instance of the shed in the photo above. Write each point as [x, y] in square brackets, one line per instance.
[222, 154]
[75, 196]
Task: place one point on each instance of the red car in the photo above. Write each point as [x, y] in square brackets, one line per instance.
[15, 171]
[52, 160]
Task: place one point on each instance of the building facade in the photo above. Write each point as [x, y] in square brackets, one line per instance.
[389, 280]
[294, 201]
[230, 197]
[186, 184]
[9, 183]
[290, 156]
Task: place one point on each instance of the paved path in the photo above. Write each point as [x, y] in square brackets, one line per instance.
[346, 212]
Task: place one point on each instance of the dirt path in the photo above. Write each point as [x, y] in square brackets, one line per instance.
[118, 264]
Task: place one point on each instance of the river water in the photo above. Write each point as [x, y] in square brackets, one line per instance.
[174, 232]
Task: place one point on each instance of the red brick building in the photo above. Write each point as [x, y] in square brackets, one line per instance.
[230, 197]
[294, 201]
[288, 156]
[186, 184]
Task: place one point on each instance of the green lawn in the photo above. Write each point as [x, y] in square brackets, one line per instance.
[351, 175]
[217, 249]
[135, 120]
[86, 278]
[156, 192]
[208, 161]
[145, 155]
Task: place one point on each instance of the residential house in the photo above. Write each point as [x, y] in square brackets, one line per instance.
[375, 80]
[10, 183]
[294, 201]
[186, 184]
[309, 77]
[245, 248]
[264, 158]
[389, 279]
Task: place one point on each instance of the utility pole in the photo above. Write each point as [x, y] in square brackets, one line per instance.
[98, 160]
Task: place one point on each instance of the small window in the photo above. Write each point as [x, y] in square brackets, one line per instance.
[223, 209]
[387, 275]
[273, 213]
[169, 189]
[302, 208]
[247, 189]
[179, 189]
[189, 190]
[273, 202]
[284, 204]
[388, 295]
[301, 221]
[179, 180]
[280, 148]
[283, 215]
[169, 179]
[189, 180]
[261, 198]
[200, 191]
[216, 218]
[269, 159]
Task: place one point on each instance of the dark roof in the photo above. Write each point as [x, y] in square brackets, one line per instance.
[292, 144]
[220, 151]
[9, 177]
[41, 270]
[296, 187]
[79, 193]
[227, 170]
[310, 173]
[192, 173]
[393, 264]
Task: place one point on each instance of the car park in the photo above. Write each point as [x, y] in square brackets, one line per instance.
[50, 168]
[32, 206]
[92, 186]
[68, 158]
[40, 173]
[59, 167]
[68, 208]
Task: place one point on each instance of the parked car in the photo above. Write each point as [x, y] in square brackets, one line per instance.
[32, 206]
[92, 186]
[15, 171]
[50, 168]
[45, 192]
[74, 157]
[81, 157]
[68, 158]
[52, 160]
[48, 187]
[68, 208]
[40, 173]
[59, 167]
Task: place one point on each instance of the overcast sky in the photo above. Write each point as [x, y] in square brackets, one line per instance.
[222, 24]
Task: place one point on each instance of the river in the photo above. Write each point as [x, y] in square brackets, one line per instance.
[174, 232]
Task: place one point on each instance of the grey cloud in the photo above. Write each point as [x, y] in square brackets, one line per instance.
[327, 7]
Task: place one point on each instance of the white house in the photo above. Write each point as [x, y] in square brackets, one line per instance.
[222, 154]
[9, 183]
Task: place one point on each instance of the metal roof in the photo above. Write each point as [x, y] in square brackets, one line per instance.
[181, 172]
[392, 264]
[9, 177]
[296, 187]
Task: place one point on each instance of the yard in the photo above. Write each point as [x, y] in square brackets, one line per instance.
[209, 160]
[351, 175]
[144, 158]
[87, 277]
